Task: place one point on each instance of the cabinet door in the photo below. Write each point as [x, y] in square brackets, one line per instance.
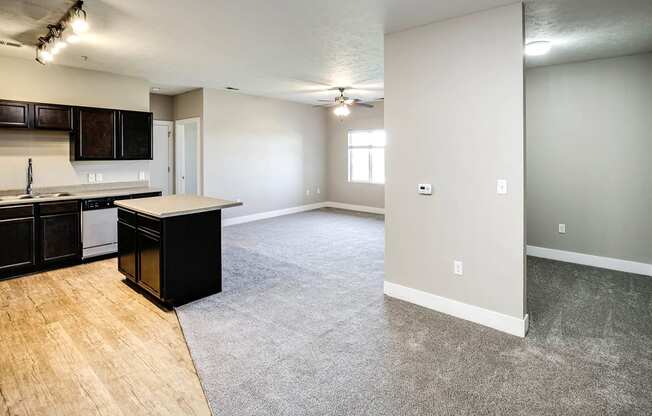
[95, 134]
[149, 261]
[14, 114]
[127, 250]
[20, 253]
[52, 117]
[135, 135]
[60, 235]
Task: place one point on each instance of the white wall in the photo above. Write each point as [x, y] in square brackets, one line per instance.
[262, 151]
[339, 187]
[454, 118]
[589, 157]
[26, 80]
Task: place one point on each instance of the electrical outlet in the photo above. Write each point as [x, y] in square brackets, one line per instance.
[91, 178]
[318, 191]
[501, 186]
[98, 177]
[458, 267]
[562, 228]
[307, 192]
[424, 189]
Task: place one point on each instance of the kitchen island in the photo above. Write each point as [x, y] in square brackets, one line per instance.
[170, 246]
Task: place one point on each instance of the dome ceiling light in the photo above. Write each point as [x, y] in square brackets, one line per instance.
[538, 48]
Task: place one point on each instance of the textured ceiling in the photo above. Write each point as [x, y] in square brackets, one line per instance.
[298, 49]
[588, 29]
[291, 49]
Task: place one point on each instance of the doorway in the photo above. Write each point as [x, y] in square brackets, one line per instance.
[187, 159]
[161, 170]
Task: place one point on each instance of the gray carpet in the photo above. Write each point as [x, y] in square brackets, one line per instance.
[302, 328]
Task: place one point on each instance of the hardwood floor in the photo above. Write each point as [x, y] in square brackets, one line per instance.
[78, 341]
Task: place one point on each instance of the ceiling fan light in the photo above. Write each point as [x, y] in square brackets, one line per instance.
[342, 110]
[538, 48]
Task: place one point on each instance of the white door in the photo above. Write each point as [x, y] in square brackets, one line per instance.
[187, 157]
[161, 171]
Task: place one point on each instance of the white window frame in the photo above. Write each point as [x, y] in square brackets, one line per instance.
[369, 147]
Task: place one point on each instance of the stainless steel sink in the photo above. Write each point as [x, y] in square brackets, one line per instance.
[56, 195]
[34, 196]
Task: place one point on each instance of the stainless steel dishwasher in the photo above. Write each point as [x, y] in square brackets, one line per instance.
[99, 226]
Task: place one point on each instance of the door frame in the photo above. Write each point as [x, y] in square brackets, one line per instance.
[171, 170]
[179, 150]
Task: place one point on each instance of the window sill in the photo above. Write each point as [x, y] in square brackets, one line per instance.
[366, 183]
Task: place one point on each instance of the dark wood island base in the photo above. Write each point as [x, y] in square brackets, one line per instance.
[177, 259]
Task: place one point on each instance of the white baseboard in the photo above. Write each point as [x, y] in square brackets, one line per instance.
[486, 317]
[302, 208]
[359, 208]
[591, 260]
[271, 214]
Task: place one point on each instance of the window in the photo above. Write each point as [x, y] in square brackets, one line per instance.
[367, 156]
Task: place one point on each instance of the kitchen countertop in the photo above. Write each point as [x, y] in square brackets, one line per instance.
[175, 205]
[76, 192]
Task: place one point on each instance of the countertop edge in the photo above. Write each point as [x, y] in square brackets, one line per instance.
[125, 205]
[81, 197]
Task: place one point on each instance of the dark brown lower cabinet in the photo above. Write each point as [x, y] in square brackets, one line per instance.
[127, 250]
[176, 259]
[149, 260]
[60, 237]
[60, 231]
[39, 236]
[17, 228]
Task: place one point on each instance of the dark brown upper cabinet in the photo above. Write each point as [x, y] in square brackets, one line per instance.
[94, 134]
[52, 117]
[135, 135]
[15, 114]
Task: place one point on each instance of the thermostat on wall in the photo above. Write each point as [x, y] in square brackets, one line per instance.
[424, 189]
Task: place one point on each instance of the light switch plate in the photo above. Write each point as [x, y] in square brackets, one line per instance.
[141, 175]
[98, 177]
[562, 228]
[424, 189]
[458, 267]
[501, 186]
[91, 178]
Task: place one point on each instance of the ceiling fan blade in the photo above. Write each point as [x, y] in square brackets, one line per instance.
[364, 105]
[326, 101]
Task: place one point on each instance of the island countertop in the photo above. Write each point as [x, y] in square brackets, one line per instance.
[175, 205]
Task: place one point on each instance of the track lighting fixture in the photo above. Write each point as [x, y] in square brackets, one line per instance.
[55, 41]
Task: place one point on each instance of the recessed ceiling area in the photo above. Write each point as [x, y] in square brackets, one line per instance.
[296, 49]
[581, 30]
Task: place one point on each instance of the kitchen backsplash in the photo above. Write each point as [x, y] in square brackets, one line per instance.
[50, 153]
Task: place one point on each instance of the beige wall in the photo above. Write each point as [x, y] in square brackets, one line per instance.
[188, 105]
[162, 106]
[339, 187]
[454, 118]
[589, 157]
[264, 152]
[29, 81]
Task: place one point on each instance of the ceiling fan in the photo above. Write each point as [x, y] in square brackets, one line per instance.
[342, 103]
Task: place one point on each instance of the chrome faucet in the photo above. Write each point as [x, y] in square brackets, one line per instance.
[30, 177]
